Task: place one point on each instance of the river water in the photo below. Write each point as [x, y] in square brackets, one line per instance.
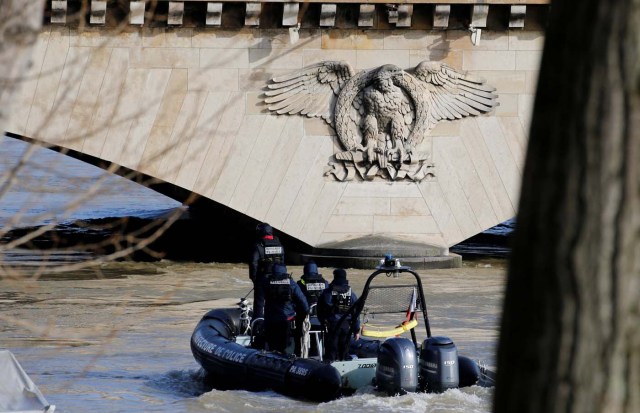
[114, 337]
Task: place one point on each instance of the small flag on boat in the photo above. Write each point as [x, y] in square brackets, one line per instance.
[412, 304]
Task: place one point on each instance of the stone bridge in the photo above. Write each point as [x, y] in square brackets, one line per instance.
[177, 91]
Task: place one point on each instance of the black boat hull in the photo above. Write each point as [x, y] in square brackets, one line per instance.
[230, 365]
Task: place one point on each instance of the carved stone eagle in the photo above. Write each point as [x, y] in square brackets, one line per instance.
[381, 115]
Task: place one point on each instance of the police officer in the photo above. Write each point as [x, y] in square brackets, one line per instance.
[312, 285]
[266, 252]
[332, 305]
[283, 301]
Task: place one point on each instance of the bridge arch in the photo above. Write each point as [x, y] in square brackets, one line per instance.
[185, 105]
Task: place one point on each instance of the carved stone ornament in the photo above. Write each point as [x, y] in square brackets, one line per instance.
[381, 116]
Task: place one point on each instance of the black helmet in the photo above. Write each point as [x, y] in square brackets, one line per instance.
[264, 229]
[340, 277]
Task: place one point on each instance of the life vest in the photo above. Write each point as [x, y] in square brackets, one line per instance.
[273, 253]
[341, 298]
[279, 287]
[314, 285]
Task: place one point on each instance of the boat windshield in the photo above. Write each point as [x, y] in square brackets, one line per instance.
[392, 305]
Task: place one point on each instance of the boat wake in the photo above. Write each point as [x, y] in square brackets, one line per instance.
[181, 383]
[474, 399]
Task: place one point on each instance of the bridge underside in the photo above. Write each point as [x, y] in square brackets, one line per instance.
[211, 231]
[184, 108]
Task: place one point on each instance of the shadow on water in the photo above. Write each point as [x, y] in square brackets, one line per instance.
[492, 243]
[202, 234]
[198, 237]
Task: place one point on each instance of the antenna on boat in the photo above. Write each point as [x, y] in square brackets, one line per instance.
[245, 297]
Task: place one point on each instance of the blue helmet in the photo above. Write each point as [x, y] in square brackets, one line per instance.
[310, 268]
[279, 268]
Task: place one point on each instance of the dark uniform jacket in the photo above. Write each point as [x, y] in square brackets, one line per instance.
[312, 286]
[284, 299]
[266, 252]
[334, 302]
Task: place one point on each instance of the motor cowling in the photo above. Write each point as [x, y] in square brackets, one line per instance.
[397, 369]
[439, 365]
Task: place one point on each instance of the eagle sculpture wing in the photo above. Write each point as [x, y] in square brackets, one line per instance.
[311, 91]
[452, 94]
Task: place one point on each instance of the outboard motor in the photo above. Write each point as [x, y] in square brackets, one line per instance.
[397, 369]
[439, 365]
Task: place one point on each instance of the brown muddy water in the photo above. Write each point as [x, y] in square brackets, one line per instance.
[115, 337]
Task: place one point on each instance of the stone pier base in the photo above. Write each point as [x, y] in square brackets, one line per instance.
[365, 253]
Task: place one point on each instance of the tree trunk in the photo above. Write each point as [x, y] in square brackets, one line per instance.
[570, 337]
[20, 23]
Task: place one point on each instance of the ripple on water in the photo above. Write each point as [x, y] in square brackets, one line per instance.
[180, 383]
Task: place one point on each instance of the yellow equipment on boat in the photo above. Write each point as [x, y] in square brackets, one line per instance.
[369, 330]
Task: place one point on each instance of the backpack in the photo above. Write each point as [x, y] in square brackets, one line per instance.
[279, 287]
[313, 285]
[273, 253]
[341, 297]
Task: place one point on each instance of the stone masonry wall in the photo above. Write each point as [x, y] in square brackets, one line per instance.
[185, 105]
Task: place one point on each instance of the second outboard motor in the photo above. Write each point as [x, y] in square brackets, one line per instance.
[397, 369]
[439, 365]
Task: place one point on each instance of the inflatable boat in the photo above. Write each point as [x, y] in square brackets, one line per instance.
[387, 355]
